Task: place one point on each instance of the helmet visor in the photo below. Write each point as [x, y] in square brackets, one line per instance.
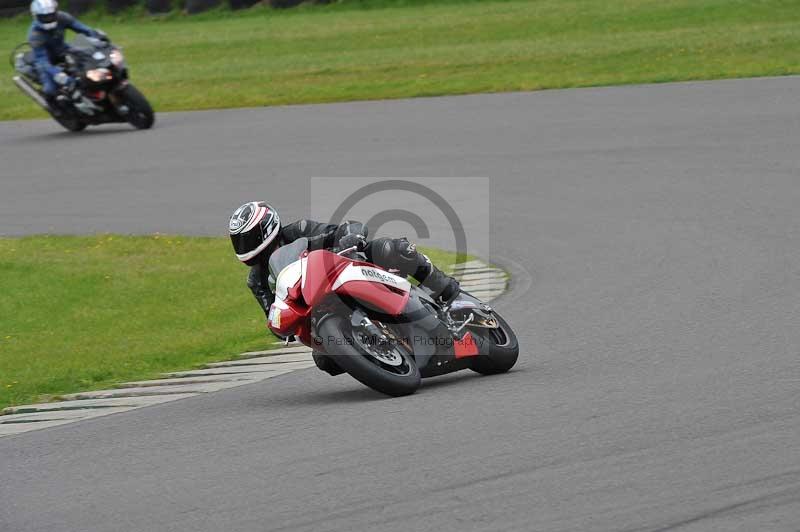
[47, 19]
[244, 243]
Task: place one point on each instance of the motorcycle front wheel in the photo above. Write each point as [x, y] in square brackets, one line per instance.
[140, 113]
[503, 350]
[392, 371]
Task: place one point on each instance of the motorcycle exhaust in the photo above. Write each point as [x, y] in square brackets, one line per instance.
[26, 87]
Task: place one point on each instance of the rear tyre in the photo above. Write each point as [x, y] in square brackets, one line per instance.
[349, 355]
[140, 113]
[70, 124]
[503, 352]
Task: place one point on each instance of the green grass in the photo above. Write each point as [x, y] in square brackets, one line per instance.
[384, 49]
[81, 313]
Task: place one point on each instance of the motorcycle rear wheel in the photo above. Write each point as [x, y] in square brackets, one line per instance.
[70, 124]
[403, 379]
[503, 352]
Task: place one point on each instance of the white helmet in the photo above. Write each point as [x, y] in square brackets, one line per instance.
[45, 12]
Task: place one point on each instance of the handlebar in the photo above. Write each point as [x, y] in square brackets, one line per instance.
[348, 250]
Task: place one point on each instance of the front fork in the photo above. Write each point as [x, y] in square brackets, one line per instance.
[360, 321]
[117, 100]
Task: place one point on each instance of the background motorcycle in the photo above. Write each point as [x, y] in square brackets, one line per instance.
[101, 93]
[378, 327]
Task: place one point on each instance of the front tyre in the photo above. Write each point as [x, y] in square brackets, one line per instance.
[140, 113]
[503, 350]
[393, 373]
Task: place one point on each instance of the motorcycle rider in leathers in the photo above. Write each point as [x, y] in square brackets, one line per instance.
[46, 37]
[256, 232]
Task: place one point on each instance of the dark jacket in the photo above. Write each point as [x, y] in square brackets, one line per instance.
[49, 46]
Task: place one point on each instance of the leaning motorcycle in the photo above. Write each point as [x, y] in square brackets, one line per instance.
[101, 92]
[378, 327]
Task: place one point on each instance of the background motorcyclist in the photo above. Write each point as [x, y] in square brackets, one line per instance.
[256, 232]
[46, 37]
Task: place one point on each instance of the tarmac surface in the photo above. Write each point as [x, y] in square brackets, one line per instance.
[653, 236]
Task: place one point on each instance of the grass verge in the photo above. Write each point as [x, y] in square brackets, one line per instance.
[83, 313]
[389, 49]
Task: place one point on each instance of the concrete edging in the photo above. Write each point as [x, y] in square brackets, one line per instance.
[480, 279]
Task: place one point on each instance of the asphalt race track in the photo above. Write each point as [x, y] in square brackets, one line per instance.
[654, 236]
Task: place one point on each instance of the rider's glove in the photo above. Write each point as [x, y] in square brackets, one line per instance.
[355, 239]
[100, 34]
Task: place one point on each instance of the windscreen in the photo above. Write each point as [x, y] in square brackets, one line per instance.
[88, 53]
[285, 255]
[82, 42]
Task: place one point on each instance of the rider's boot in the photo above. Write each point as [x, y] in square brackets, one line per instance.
[443, 287]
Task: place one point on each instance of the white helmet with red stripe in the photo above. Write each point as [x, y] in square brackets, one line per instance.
[254, 227]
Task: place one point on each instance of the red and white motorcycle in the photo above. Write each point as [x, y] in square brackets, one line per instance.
[378, 327]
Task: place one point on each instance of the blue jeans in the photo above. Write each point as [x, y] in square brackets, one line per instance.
[48, 84]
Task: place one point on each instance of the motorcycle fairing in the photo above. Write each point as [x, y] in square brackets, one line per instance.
[362, 272]
[378, 289]
[326, 272]
[419, 323]
[432, 342]
[287, 278]
[284, 319]
[319, 274]
[466, 346]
